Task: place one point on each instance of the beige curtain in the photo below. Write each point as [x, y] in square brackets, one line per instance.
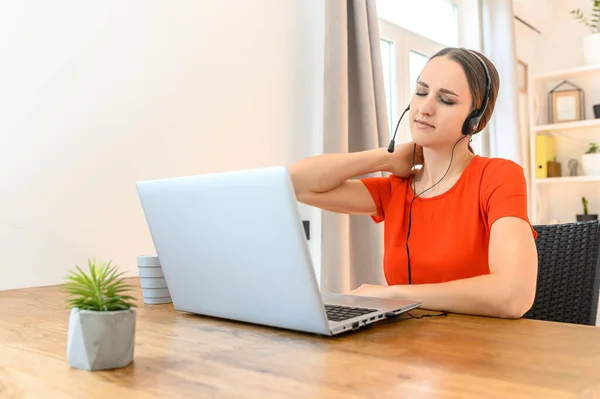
[355, 119]
[505, 135]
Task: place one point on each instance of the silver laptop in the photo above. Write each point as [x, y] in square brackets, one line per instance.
[232, 245]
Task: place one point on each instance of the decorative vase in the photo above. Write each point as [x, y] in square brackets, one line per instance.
[591, 49]
[590, 163]
[554, 169]
[101, 340]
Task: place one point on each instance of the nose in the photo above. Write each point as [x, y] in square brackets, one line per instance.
[427, 106]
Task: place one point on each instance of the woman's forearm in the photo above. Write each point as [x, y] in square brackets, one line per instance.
[483, 295]
[322, 173]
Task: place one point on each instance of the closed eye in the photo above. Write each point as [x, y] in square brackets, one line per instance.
[446, 101]
[442, 98]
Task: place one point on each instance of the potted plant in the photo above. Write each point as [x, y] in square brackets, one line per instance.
[586, 216]
[591, 42]
[590, 161]
[102, 319]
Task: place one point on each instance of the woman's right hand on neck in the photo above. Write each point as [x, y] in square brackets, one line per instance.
[401, 160]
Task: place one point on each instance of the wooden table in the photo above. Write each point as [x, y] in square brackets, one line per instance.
[185, 356]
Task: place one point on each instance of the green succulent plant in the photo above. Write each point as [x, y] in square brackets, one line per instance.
[593, 147]
[101, 289]
[593, 21]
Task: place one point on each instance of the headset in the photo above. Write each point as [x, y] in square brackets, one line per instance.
[469, 127]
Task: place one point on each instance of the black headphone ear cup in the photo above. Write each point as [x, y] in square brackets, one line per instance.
[471, 123]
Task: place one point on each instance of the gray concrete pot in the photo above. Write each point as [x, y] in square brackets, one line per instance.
[101, 340]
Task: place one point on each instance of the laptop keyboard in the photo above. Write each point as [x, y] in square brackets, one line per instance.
[341, 313]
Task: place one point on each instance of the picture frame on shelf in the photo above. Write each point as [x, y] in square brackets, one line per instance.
[566, 106]
[566, 103]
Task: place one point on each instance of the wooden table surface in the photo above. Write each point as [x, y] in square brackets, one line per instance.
[178, 355]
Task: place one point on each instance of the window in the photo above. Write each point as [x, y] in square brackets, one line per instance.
[403, 57]
[416, 62]
[434, 19]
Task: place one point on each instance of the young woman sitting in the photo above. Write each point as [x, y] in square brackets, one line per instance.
[457, 234]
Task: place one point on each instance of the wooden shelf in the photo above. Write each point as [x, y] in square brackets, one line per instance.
[568, 179]
[568, 73]
[567, 125]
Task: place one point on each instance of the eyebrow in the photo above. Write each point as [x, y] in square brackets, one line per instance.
[441, 90]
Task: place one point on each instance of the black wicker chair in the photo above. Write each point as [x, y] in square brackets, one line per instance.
[568, 273]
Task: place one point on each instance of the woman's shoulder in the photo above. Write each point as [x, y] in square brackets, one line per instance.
[498, 178]
[497, 168]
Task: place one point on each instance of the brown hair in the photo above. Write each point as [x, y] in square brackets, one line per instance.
[476, 78]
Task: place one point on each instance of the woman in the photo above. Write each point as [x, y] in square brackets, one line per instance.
[457, 235]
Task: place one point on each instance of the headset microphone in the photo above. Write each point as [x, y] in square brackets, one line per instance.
[393, 141]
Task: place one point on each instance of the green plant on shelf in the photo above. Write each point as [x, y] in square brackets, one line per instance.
[592, 20]
[593, 146]
[585, 205]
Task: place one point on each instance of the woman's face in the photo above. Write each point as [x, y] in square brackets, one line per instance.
[440, 104]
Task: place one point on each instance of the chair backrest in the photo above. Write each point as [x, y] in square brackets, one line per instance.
[568, 273]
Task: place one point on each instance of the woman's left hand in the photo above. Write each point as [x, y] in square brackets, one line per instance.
[371, 290]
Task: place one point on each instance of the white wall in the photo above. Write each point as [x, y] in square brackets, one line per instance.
[97, 95]
[559, 45]
[539, 13]
[525, 44]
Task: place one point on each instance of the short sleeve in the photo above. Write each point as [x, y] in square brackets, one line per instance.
[380, 190]
[504, 192]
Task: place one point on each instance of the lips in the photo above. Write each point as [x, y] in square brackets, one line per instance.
[422, 123]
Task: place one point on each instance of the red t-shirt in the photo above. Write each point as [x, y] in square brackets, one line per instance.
[450, 233]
